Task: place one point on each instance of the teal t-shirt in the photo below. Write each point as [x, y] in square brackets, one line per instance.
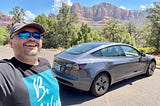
[26, 85]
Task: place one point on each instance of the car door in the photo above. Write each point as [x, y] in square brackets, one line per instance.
[120, 63]
[115, 62]
[131, 61]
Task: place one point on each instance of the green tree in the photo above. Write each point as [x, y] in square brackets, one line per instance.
[132, 29]
[111, 29]
[3, 35]
[115, 31]
[154, 17]
[83, 33]
[86, 34]
[50, 38]
[18, 14]
[47, 22]
[42, 19]
[65, 28]
[138, 34]
[58, 31]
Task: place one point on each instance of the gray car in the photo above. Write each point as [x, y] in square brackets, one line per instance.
[95, 66]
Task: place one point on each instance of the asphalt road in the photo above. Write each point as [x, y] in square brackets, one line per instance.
[137, 91]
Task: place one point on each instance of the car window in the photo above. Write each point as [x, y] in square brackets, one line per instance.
[97, 53]
[111, 51]
[130, 51]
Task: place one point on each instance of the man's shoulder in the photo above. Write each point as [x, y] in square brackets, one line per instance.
[6, 62]
[3, 60]
[44, 61]
[5, 65]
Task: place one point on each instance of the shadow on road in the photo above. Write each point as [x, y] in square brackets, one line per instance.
[70, 96]
[158, 67]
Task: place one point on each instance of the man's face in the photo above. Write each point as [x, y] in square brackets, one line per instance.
[26, 47]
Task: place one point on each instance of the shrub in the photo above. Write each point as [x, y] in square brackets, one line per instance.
[147, 49]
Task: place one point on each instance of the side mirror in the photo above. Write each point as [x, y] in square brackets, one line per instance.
[143, 54]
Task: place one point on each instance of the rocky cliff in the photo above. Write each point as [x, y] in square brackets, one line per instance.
[4, 19]
[97, 15]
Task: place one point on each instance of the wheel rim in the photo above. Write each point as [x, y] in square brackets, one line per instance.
[152, 67]
[101, 85]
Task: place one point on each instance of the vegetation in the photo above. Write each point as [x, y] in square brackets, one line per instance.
[154, 17]
[147, 49]
[17, 16]
[3, 35]
[115, 31]
[63, 31]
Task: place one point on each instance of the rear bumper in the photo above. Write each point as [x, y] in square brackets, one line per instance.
[79, 83]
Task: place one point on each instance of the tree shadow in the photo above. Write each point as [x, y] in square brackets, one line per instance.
[70, 96]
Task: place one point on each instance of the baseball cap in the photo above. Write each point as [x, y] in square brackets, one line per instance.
[20, 25]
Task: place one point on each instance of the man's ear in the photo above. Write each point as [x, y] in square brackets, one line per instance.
[10, 42]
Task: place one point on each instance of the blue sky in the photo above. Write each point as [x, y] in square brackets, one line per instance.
[36, 7]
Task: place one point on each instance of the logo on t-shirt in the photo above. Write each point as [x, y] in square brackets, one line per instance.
[43, 89]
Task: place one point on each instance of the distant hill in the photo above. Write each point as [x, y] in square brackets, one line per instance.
[96, 15]
[99, 14]
[4, 19]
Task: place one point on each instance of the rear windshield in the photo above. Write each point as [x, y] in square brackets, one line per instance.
[79, 49]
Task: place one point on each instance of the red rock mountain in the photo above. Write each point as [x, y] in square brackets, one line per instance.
[4, 19]
[97, 15]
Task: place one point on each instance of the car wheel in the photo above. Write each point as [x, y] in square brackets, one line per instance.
[151, 68]
[100, 85]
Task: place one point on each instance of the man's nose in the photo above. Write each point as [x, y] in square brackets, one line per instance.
[31, 38]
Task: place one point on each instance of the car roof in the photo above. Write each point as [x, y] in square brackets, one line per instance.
[97, 44]
[78, 53]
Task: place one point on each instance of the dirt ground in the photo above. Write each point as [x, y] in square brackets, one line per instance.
[7, 52]
[137, 91]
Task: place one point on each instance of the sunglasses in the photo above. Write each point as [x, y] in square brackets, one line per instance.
[27, 34]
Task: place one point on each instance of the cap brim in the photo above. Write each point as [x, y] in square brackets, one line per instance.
[36, 25]
[20, 26]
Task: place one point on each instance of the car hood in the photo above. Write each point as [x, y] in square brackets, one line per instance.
[149, 56]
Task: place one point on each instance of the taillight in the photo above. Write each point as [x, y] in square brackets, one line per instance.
[81, 66]
[75, 67]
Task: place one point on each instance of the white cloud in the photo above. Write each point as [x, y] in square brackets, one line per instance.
[142, 7]
[122, 7]
[68, 2]
[152, 5]
[58, 3]
[29, 15]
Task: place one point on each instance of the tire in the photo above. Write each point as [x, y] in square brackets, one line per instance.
[151, 68]
[100, 85]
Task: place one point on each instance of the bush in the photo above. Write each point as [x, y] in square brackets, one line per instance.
[147, 49]
[3, 35]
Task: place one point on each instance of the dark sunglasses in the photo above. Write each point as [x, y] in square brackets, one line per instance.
[27, 34]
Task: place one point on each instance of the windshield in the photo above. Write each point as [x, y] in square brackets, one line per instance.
[82, 48]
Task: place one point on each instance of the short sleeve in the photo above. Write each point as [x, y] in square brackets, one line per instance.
[7, 78]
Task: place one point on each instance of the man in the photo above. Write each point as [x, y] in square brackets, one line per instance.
[26, 79]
